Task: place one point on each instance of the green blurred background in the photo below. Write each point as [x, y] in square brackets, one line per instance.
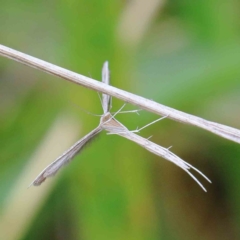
[184, 54]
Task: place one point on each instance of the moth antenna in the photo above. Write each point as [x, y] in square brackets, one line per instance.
[88, 112]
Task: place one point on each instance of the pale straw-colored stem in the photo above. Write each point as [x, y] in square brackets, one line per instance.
[149, 105]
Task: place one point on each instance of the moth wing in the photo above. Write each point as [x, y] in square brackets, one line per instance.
[65, 158]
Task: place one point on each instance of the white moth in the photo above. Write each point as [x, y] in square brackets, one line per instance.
[111, 125]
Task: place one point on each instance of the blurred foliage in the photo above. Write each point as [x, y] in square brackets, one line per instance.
[187, 57]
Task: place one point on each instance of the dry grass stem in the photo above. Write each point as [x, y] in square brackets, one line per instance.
[143, 103]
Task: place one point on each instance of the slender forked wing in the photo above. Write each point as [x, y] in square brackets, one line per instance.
[113, 126]
[66, 157]
[164, 153]
[106, 99]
